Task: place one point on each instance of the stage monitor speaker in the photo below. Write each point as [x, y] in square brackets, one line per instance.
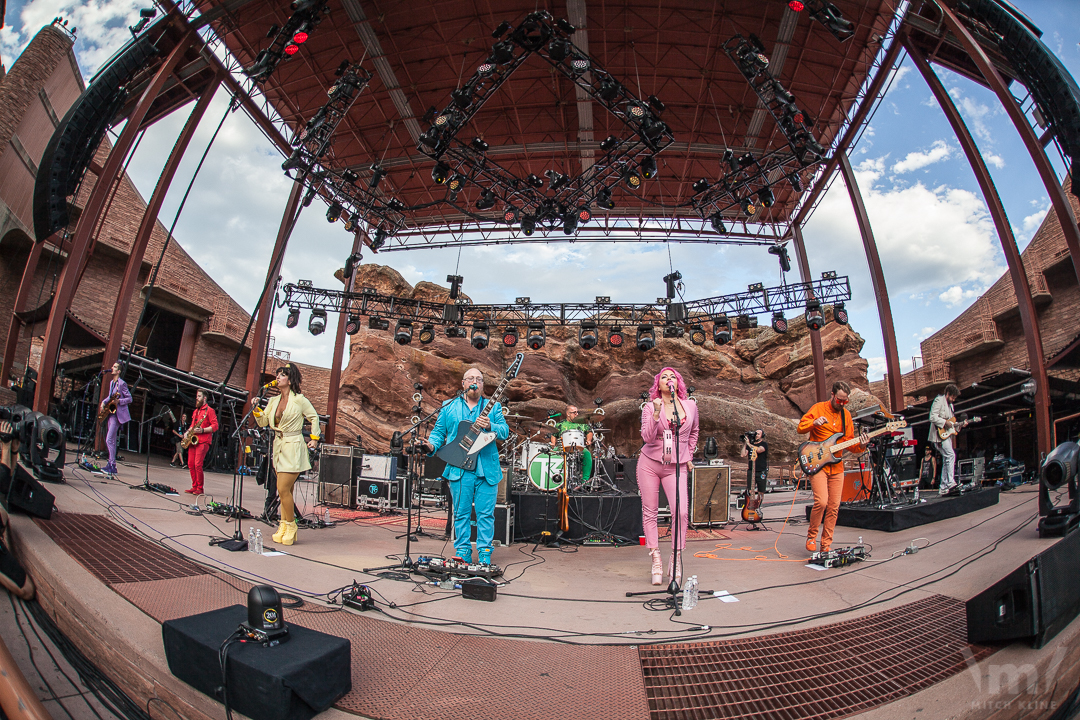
[623, 472]
[336, 486]
[29, 495]
[710, 488]
[1034, 602]
[295, 680]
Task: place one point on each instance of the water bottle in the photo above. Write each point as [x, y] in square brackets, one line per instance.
[690, 593]
[258, 541]
[916, 493]
[326, 518]
[251, 539]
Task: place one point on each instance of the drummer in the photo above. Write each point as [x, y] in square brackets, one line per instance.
[571, 422]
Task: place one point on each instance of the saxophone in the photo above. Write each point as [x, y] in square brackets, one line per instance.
[190, 438]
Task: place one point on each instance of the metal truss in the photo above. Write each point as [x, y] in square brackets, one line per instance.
[759, 300]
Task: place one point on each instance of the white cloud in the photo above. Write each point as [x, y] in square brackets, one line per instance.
[876, 368]
[994, 159]
[102, 26]
[956, 295]
[1032, 222]
[974, 113]
[939, 151]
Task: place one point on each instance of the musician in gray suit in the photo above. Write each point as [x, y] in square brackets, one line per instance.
[942, 418]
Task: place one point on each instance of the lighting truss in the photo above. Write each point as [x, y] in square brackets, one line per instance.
[306, 16]
[312, 141]
[370, 302]
[725, 195]
[537, 35]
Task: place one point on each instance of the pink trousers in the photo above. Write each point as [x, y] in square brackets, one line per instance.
[650, 474]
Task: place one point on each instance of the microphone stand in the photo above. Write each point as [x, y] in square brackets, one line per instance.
[156, 487]
[237, 542]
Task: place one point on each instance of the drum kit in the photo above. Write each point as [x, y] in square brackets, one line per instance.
[543, 462]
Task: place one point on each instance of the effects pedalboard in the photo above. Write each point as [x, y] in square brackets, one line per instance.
[839, 557]
[227, 510]
[456, 566]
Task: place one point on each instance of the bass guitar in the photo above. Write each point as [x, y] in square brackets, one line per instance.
[946, 433]
[464, 449]
[190, 438]
[815, 455]
[750, 511]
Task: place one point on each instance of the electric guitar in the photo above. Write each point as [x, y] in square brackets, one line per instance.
[815, 455]
[750, 512]
[944, 434]
[463, 450]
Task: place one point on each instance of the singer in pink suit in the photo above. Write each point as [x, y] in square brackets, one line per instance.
[122, 415]
[656, 464]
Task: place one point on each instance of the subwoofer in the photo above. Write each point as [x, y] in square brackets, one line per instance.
[709, 487]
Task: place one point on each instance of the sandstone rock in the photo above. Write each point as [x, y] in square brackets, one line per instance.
[763, 380]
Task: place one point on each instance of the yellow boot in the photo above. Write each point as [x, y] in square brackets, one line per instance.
[290, 533]
[276, 537]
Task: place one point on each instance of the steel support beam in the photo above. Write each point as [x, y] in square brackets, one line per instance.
[1028, 316]
[146, 227]
[261, 333]
[820, 390]
[92, 214]
[1062, 207]
[881, 292]
[339, 347]
[16, 325]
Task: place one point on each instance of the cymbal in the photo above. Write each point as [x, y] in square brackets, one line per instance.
[515, 417]
[583, 418]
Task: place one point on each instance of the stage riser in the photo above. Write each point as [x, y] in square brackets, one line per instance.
[616, 514]
[868, 518]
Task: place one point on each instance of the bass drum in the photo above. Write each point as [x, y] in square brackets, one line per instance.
[528, 450]
[546, 471]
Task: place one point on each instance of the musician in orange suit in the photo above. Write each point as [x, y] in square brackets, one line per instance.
[824, 420]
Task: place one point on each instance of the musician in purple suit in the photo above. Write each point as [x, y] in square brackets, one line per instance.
[118, 388]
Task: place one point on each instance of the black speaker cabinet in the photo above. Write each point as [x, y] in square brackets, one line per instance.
[29, 495]
[336, 485]
[1034, 602]
[623, 472]
[709, 487]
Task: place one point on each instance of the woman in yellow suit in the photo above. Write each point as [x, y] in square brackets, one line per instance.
[285, 415]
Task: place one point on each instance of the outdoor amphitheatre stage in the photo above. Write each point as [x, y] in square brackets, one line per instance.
[885, 637]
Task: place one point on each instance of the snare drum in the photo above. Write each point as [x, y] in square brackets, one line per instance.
[573, 440]
[546, 471]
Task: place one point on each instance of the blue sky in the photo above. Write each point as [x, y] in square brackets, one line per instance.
[937, 243]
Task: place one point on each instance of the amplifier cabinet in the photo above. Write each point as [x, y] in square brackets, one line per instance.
[710, 487]
[375, 467]
[972, 470]
[504, 524]
[379, 495]
[336, 485]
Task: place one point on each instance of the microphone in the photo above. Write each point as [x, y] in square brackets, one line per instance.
[671, 387]
[172, 417]
[272, 383]
[473, 386]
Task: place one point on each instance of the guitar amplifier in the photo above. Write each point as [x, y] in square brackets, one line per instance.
[504, 525]
[381, 495]
[375, 467]
[336, 485]
[709, 490]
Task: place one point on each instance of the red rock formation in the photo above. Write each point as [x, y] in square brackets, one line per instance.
[762, 380]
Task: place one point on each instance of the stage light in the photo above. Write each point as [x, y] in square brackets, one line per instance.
[742, 322]
[587, 335]
[479, 145]
[570, 223]
[635, 110]
[48, 449]
[317, 323]
[747, 160]
[840, 314]
[351, 222]
[717, 222]
[293, 318]
[780, 251]
[455, 183]
[377, 174]
[528, 225]
[462, 97]
[510, 215]
[427, 334]
[503, 52]
[510, 336]
[352, 325]
[486, 201]
[485, 69]
[349, 176]
[403, 332]
[378, 323]
[558, 49]
[584, 214]
[603, 199]
[814, 319]
[796, 5]
[779, 322]
[536, 335]
[633, 180]
[440, 172]
[697, 334]
[829, 15]
[755, 287]
[300, 37]
[796, 183]
[333, 213]
[828, 275]
[479, 337]
[292, 49]
[1060, 466]
[579, 65]
[379, 240]
[765, 197]
[522, 300]
[729, 158]
[615, 337]
[564, 25]
[748, 207]
[701, 186]
[610, 90]
[721, 330]
[648, 167]
[556, 179]
[534, 181]
[646, 339]
[455, 331]
[673, 332]
[608, 143]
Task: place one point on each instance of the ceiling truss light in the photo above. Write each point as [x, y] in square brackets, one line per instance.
[615, 337]
[427, 334]
[293, 318]
[632, 179]
[646, 338]
[840, 314]
[352, 325]
[333, 213]
[603, 199]
[717, 222]
[536, 336]
[721, 330]
[748, 207]
[648, 167]
[779, 323]
[403, 332]
[440, 172]
[510, 215]
[587, 335]
[317, 323]
[528, 225]
[510, 336]
[608, 143]
[765, 197]
[815, 320]
[479, 337]
[697, 334]
[701, 186]
[486, 200]
[378, 323]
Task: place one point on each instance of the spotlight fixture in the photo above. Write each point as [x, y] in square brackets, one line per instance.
[534, 181]
[646, 339]
[455, 183]
[462, 97]
[395, 205]
[717, 222]
[352, 325]
[378, 323]
[721, 330]
[742, 322]
[603, 199]
[748, 207]
[479, 337]
[536, 335]
[317, 323]
[633, 180]
[697, 334]
[828, 275]
[635, 110]
[349, 176]
[440, 172]
[427, 334]
[455, 331]
[351, 223]
[510, 336]
[796, 5]
[528, 225]
[380, 239]
[486, 69]
[293, 318]
[579, 65]
[839, 313]
[587, 335]
[747, 160]
[556, 179]
[564, 25]
[829, 15]
[779, 322]
[765, 197]
[701, 186]
[610, 90]
[558, 49]
[615, 337]
[479, 145]
[729, 158]
[584, 214]
[780, 251]
[510, 215]
[522, 300]
[403, 332]
[333, 213]
[503, 28]
[755, 287]
[486, 200]
[796, 183]
[608, 143]
[673, 332]
[648, 167]
[570, 223]
[814, 319]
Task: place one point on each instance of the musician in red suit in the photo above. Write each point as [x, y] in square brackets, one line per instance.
[822, 421]
[203, 426]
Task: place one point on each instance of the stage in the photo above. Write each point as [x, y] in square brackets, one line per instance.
[931, 508]
[114, 563]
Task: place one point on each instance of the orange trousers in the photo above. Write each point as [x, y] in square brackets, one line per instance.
[827, 487]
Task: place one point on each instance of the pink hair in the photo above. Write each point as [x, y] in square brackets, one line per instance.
[680, 386]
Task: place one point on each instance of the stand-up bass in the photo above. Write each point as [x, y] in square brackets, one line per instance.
[462, 452]
[190, 438]
[815, 455]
